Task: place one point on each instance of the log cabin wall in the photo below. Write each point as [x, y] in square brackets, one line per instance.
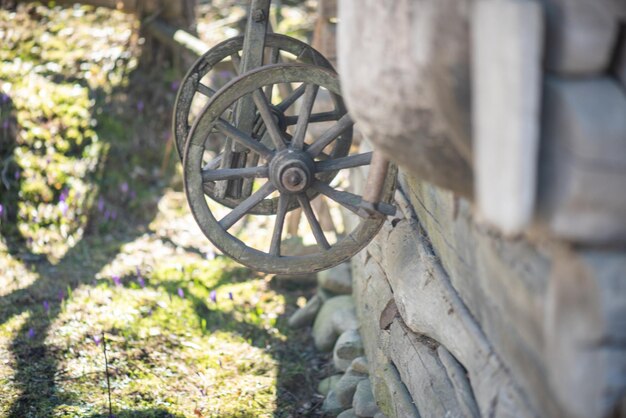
[499, 289]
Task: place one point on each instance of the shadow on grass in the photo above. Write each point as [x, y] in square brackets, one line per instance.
[298, 369]
[35, 365]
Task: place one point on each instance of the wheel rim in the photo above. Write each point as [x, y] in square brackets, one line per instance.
[291, 169]
[192, 87]
[191, 84]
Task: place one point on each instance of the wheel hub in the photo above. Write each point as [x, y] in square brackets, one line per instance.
[292, 171]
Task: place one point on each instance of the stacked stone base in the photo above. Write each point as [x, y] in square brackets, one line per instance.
[332, 314]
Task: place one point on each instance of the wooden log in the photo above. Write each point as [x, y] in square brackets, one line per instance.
[580, 35]
[505, 285]
[586, 331]
[372, 294]
[582, 193]
[325, 31]
[405, 77]
[417, 360]
[176, 38]
[429, 305]
[507, 40]
[620, 55]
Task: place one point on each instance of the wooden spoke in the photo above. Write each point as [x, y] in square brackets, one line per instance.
[315, 225]
[206, 90]
[236, 59]
[266, 113]
[344, 162]
[229, 220]
[226, 162]
[330, 135]
[269, 91]
[251, 161]
[289, 100]
[273, 59]
[214, 163]
[314, 118]
[258, 125]
[310, 92]
[283, 205]
[242, 138]
[273, 55]
[234, 173]
[349, 200]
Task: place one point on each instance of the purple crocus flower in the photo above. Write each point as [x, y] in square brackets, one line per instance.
[46, 306]
[113, 215]
[4, 98]
[100, 204]
[64, 194]
[181, 293]
[230, 295]
[61, 295]
[117, 280]
[175, 85]
[97, 339]
[63, 207]
[140, 278]
[213, 296]
[140, 105]
[124, 187]
[17, 175]
[31, 333]
[1, 210]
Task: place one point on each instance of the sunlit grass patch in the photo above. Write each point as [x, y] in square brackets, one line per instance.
[195, 336]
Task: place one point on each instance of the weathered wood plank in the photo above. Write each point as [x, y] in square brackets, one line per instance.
[406, 81]
[582, 193]
[505, 285]
[507, 41]
[417, 360]
[429, 305]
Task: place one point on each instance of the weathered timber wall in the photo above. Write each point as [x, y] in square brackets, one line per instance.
[518, 105]
[500, 291]
[536, 327]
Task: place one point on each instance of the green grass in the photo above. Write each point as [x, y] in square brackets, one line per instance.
[171, 348]
[88, 123]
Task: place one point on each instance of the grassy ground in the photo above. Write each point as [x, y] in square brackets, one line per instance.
[98, 248]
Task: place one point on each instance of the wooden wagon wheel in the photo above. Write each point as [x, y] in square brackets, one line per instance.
[297, 168]
[198, 84]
